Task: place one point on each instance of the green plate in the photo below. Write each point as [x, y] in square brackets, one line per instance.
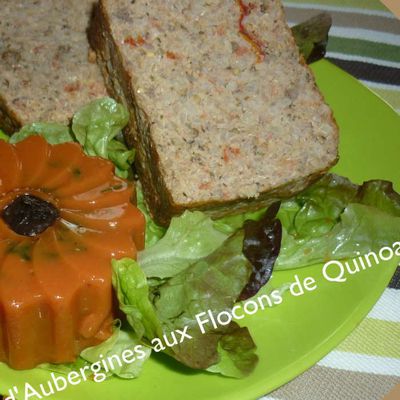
[293, 336]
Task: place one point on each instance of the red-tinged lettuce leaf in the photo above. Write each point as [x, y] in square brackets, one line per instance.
[198, 269]
[311, 37]
[229, 351]
[380, 194]
[212, 283]
[261, 245]
[236, 353]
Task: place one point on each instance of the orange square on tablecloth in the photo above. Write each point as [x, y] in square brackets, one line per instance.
[394, 394]
[393, 5]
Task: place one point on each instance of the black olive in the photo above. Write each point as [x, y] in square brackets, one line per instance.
[29, 215]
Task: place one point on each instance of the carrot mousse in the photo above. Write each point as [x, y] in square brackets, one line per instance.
[63, 217]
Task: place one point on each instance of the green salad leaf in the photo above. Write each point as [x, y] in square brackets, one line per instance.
[188, 238]
[336, 219]
[54, 133]
[153, 232]
[65, 368]
[380, 194]
[232, 223]
[316, 211]
[113, 347]
[133, 294]
[95, 127]
[122, 158]
[4, 136]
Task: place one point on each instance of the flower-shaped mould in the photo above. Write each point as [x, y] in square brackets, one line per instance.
[55, 287]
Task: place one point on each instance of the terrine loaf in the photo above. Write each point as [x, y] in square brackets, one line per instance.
[45, 74]
[225, 115]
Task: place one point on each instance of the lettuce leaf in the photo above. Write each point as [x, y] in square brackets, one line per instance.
[4, 136]
[261, 245]
[122, 158]
[65, 368]
[115, 345]
[210, 283]
[96, 126]
[153, 232]
[54, 133]
[188, 238]
[133, 294]
[236, 354]
[380, 194]
[336, 219]
[232, 223]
